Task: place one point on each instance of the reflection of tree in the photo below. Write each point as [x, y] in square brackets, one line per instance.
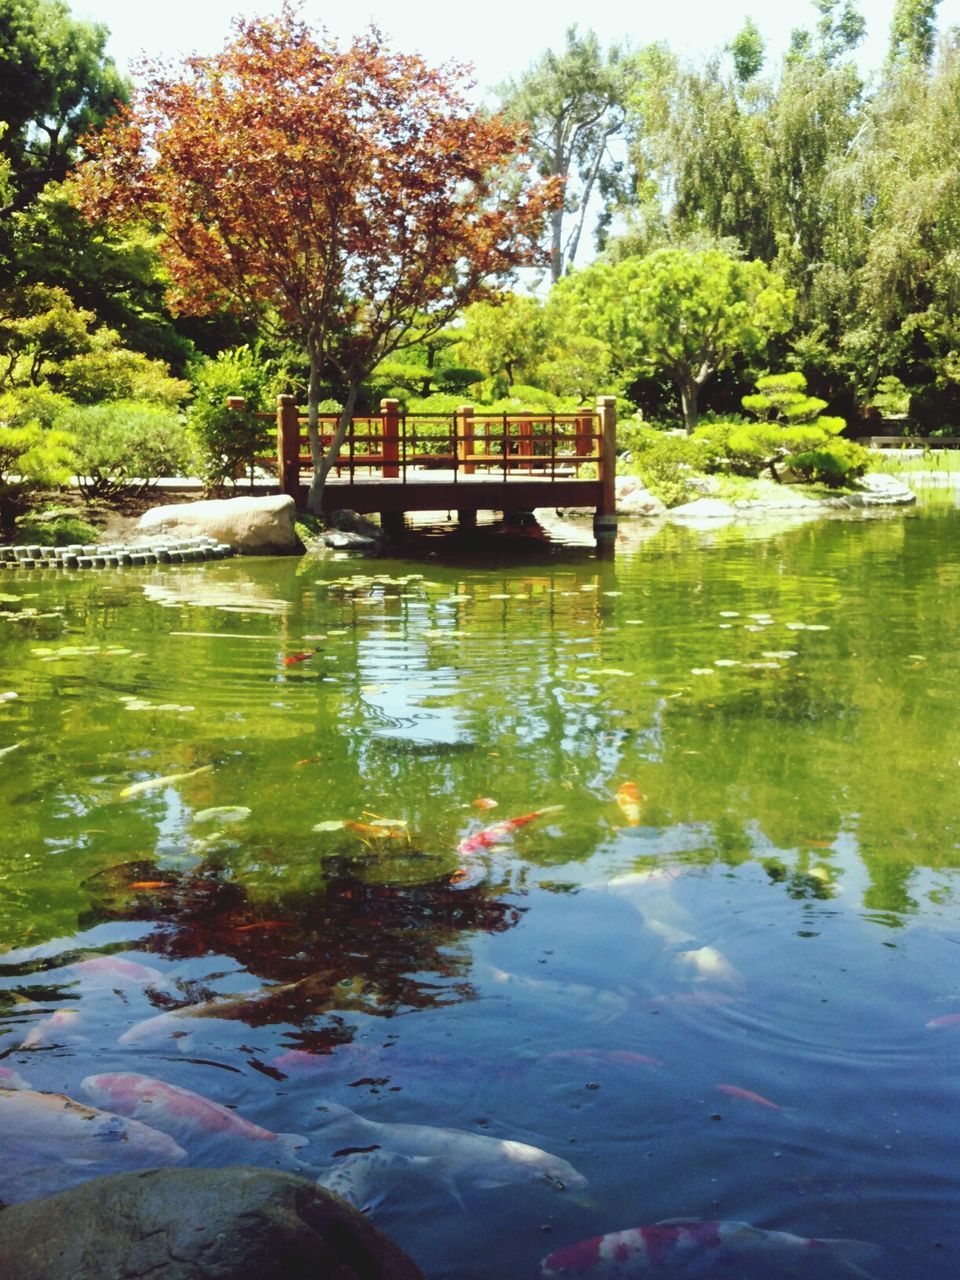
[351, 946]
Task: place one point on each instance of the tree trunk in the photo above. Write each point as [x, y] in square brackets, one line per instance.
[556, 245]
[323, 462]
[688, 400]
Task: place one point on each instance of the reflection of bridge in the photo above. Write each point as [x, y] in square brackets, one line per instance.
[467, 461]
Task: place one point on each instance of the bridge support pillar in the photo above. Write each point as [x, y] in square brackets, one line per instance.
[466, 520]
[393, 523]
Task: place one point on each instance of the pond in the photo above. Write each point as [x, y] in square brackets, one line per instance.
[714, 973]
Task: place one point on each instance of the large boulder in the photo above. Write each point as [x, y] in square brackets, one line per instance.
[196, 1224]
[252, 526]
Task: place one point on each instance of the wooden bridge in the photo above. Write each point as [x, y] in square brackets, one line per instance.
[468, 461]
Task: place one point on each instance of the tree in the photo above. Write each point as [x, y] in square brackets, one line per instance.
[351, 192]
[573, 103]
[683, 312]
[913, 32]
[747, 50]
[503, 337]
[56, 83]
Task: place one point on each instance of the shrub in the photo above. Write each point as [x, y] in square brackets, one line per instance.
[56, 527]
[226, 441]
[112, 372]
[31, 458]
[122, 445]
[668, 465]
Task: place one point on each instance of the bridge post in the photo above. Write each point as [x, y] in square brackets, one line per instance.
[463, 429]
[288, 446]
[586, 444]
[605, 519]
[390, 417]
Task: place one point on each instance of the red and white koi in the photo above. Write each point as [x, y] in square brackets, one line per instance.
[947, 1020]
[10, 1079]
[62, 1025]
[686, 1246]
[489, 837]
[179, 1112]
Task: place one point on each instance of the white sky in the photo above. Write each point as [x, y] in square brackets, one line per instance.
[499, 37]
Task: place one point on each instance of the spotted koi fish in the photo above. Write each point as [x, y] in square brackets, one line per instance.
[500, 831]
[687, 1246]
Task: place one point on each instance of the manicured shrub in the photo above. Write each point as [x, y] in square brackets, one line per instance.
[125, 446]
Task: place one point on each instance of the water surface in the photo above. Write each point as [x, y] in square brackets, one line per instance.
[780, 915]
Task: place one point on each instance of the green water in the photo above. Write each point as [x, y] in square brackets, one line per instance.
[779, 916]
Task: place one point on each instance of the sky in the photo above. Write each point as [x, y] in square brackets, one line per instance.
[500, 38]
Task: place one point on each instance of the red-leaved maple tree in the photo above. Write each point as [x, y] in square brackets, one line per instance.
[354, 192]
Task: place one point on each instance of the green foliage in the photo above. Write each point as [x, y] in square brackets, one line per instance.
[667, 464]
[56, 83]
[792, 434]
[227, 441]
[31, 458]
[684, 312]
[747, 50]
[913, 31]
[573, 103]
[125, 445]
[55, 527]
[109, 371]
[504, 338]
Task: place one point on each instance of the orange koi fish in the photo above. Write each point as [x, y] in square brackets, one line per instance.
[484, 802]
[304, 656]
[629, 799]
[496, 834]
[734, 1091]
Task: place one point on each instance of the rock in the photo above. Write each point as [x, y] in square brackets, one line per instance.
[253, 526]
[880, 490]
[634, 499]
[347, 540]
[703, 509]
[196, 1224]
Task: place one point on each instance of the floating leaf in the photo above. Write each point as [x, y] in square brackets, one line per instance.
[729, 613]
[725, 662]
[701, 671]
[332, 824]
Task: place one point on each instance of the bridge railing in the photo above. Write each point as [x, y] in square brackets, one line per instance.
[467, 443]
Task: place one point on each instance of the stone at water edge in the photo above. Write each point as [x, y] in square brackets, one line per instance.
[255, 526]
[634, 499]
[219, 1224]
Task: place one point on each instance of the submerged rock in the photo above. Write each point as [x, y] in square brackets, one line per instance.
[254, 526]
[196, 1224]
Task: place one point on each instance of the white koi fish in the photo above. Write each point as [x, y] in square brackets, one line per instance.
[711, 963]
[48, 1142]
[62, 1025]
[179, 1112]
[112, 971]
[367, 1179]
[480, 1160]
[687, 1246]
[155, 784]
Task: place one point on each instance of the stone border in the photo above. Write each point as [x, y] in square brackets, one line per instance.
[115, 555]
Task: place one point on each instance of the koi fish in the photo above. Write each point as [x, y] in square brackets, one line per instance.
[5, 751]
[151, 884]
[305, 656]
[181, 1113]
[947, 1020]
[155, 784]
[604, 1057]
[687, 1246]
[255, 1007]
[490, 836]
[629, 799]
[366, 1179]
[483, 802]
[110, 971]
[711, 963]
[52, 1030]
[734, 1091]
[483, 1161]
[10, 1079]
[48, 1141]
